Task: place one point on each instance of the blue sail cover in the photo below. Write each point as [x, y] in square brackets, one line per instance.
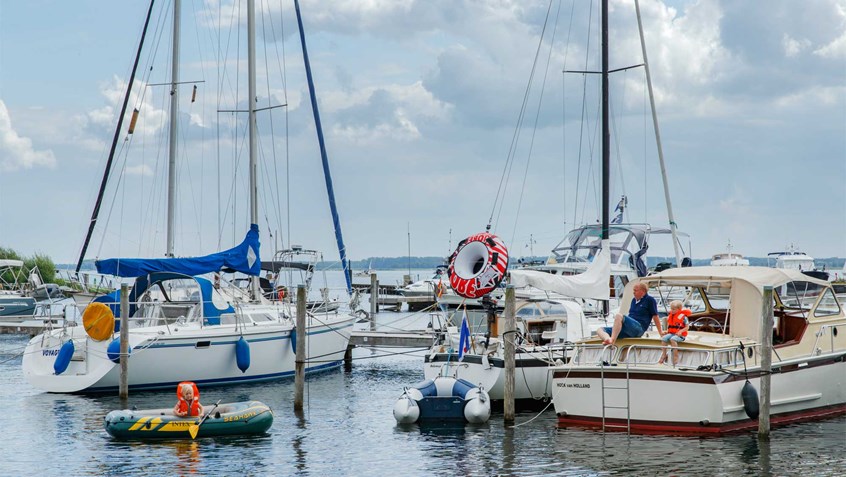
[244, 258]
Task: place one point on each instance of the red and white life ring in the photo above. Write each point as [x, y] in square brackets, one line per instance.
[477, 265]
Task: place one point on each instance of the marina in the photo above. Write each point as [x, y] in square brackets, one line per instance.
[358, 402]
[241, 295]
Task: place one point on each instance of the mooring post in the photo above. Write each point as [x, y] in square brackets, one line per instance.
[299, 372]
[766, 363]
[374, 296]
[509, 337]
[123, 390]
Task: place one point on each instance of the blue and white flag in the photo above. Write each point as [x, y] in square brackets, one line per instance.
[621, 206]
[463, 338]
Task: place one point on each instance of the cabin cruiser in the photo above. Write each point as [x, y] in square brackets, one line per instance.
[622, 386]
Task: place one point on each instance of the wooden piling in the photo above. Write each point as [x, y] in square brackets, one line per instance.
[299, 372]
[509, 338]
[766, 363]
[374, 296]
[123, 388]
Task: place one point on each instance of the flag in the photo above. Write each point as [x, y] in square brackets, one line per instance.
[621, 206]
[463, 338]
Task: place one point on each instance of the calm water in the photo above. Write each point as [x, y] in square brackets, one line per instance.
[348, 429]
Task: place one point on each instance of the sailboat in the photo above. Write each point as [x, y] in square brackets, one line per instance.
[185, 322]
[562, 301]
[718, 368]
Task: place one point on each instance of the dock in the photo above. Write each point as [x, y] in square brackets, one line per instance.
[415, 303]
[387, 339]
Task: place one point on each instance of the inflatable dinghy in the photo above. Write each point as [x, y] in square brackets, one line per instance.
[443, 399]
[232, 419]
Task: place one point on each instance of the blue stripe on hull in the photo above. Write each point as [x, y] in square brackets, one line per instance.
[218, 382]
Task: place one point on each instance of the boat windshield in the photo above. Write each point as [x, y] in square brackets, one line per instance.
[582, 245]
[169, 302]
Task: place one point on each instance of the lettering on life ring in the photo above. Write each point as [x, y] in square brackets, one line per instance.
[478, 265]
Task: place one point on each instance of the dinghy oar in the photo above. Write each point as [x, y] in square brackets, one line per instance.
[193, 429]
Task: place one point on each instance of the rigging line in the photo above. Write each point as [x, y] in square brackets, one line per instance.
[535, 127]
[275, 159]
[514, 138]
[564, 116]
[584, 114]
[99, 202]
[274, 190]
[616, 135]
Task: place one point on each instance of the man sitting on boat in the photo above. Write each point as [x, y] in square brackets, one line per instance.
[189, 400]
[643, 309]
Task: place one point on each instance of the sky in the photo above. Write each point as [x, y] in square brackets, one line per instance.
[428, 140]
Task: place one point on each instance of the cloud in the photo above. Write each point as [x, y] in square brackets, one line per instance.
[16, 152]
[139, 170]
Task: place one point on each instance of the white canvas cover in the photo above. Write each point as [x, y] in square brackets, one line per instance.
[593, 283]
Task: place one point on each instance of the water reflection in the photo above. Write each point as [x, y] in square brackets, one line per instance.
[348, 429]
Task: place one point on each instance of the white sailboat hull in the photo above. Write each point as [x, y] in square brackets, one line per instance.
[160, 358]
[533, 379]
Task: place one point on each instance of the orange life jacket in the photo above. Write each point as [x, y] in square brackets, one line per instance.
[183, 404]
[675, 321]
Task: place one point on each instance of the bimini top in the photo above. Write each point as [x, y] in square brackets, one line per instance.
[244, 258]
[744, 287]
[755, 276]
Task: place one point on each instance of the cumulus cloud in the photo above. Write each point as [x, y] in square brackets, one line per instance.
[17, 152]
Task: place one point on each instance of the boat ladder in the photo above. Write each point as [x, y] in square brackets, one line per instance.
[611, 385]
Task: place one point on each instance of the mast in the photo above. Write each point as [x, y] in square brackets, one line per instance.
[96, 212]
[174, 114]
[606, 132]
[606, 139]
[326, 172]
[670, 217]
[251, 80]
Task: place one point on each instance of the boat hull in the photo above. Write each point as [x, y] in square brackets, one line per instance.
[161, 358]
[532, 383]
[703, 402]
[232, 419]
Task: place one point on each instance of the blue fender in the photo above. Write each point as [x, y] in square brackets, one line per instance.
[242, 354]
[64, 357]
[294, 340]
[113, 351]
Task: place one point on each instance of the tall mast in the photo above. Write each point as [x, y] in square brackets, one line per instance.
[174, 113]
[670, 217]
[95, 214]
[327, 175]
[606, 132]
[606, 139]
[251, 80]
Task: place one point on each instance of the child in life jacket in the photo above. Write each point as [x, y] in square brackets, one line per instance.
[677, 325]
[189, 400]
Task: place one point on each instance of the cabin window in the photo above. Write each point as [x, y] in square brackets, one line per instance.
[528, 310]
[800, 295]
[553, 309]
[827, 305]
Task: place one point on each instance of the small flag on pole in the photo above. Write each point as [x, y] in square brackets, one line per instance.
[621, 206]
[463, 338]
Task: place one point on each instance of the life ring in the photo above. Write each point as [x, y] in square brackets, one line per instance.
[477, 265]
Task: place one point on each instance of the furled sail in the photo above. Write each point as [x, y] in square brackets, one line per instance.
[243, 258]
[593, 283]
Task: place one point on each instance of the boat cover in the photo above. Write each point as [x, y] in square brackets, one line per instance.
[244, 258]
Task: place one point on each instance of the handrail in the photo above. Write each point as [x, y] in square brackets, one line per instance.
[712, 357]
[823, 329]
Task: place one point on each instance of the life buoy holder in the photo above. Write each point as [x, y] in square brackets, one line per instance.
[478, 265]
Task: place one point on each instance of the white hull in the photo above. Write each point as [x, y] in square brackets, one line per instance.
[162, 357]
[660, 399]
[533, 379]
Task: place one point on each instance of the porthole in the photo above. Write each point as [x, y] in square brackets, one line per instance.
[750, 352]
[834, 331]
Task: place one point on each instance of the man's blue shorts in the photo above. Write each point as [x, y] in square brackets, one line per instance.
[631, 329]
